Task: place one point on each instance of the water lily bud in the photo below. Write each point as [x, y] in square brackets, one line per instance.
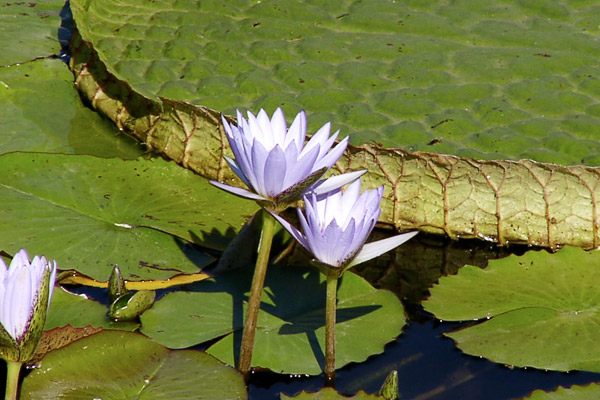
[116, 284]
[389, 389]
[275, 163]
[131, 305]
[25, 293]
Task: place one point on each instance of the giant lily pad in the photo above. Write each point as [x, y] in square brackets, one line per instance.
[122, 365]
[537, 310]
[499, 80]
[507, 84]
[291, 320]
[90, 213]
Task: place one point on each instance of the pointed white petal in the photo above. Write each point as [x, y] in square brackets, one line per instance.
[374, 249]
[333, 156]
[236, 170]
[337, 181]
[238, 191]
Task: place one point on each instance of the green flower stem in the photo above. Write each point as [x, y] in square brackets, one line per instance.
[13, 371]
[330, 314]
[258, 280]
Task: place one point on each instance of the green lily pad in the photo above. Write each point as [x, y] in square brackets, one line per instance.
[329, 394]
[122, 365]
[41, 111]
[78, 311]
[467, 78]
[291, 320]
[591, 391]
[537, 310]
[90, 213]
[28, 30]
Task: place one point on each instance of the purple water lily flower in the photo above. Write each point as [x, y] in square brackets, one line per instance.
[276, 164]
[336, 225]
[25, 294]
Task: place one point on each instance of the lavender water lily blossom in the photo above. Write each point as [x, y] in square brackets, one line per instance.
[276, 164]
[25, 293]
[336, 225]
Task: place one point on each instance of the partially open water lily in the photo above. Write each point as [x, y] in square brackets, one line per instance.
[25, 293]
[336, 225]
[276, 164]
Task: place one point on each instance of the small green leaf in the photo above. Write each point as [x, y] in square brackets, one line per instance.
[537, 310]
[122, 365]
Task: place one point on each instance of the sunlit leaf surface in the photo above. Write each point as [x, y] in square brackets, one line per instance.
[537, 310]
[91, 213]
[122, 365]
[491, 80]
[291, 320]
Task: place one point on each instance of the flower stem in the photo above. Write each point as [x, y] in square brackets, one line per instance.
[13, 369]
[330, 314]
[258, 280]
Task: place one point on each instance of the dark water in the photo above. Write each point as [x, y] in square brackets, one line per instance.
[429, 367]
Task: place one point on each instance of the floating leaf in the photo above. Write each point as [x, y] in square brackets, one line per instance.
[60, 337]
[291, 320]
[78, 311]
[520, 83]
[90, 213]
[591, 391]
[329, 394]
[490, 113]
[539, 310]
[28, 30]
[122, 365]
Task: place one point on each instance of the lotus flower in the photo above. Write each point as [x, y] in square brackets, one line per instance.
[25, 294]
[275, 163]
[336, 226]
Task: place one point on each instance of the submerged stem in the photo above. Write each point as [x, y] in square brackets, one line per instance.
[258, 280]
[13, 370]
[330, 314]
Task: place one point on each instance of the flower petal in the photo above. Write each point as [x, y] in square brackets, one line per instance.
[296, 234]
[337, 181]
[274, 172]
[374, 249]
[239, 191]
[333, 156]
